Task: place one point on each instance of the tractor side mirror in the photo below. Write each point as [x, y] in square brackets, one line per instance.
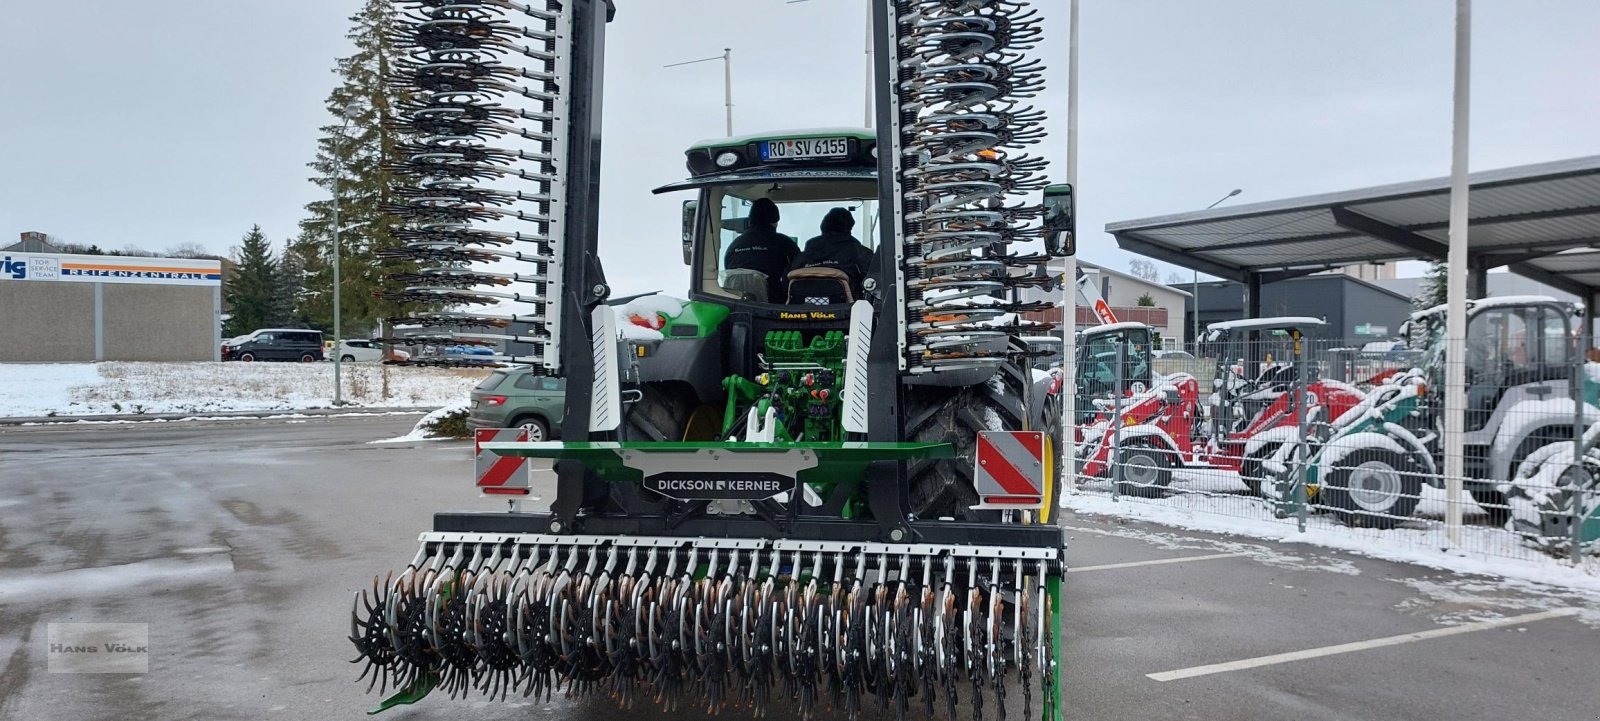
[689, 208]
[1060, 222]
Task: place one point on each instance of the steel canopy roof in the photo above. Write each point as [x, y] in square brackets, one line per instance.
[1542, 221]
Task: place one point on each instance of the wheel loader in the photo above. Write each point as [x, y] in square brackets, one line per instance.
[821, 487]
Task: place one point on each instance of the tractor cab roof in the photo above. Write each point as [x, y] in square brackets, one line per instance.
[1496, 301]
[1282, 323]
[819, 154]
[1113, 327]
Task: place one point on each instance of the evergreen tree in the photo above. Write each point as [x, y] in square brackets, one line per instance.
[289, 288]
[250, 293]
[1434, 288]
[353, 157]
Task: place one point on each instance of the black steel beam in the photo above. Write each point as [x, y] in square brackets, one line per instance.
[1281, 240]
[1555, 280]
[1274, 276]
[1367, 225]
[1176, 257]
[1515, 217]
[810, 529]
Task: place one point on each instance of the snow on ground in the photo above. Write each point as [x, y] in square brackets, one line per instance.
[1215, 501]
[423, 431]
[69, 389]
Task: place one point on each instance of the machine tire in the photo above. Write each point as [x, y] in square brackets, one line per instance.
[1387, 493]
[1493, 502]
[944, 488]
[1250, 470]
[660, 415]
[247, 357]
[307, 358]
[347, 358]
[1151, 467]
[538, 430]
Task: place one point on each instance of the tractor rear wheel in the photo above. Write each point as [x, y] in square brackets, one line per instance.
[944, 488]
[660, 415]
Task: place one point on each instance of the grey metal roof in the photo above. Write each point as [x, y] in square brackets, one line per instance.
[1542, 221]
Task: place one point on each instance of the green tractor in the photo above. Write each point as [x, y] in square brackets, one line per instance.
[815, 480]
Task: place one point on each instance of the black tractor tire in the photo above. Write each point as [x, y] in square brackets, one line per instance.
[944, 488]
[1493, 502]
[1490, 499]
[1145, 468]
[1251, 471]
[1385, 489]
[660, 415]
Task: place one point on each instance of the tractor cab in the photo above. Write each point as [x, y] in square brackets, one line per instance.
[806, 175]
[1099, 349]
[1254, 366]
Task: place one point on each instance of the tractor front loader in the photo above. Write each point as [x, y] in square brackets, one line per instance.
[829, 490]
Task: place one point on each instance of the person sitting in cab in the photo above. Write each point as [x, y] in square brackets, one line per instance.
[762, 249]
[833, 265]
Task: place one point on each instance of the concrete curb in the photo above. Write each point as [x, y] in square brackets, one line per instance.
[146, 417]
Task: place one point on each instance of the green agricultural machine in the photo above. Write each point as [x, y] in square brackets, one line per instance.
[823, 481]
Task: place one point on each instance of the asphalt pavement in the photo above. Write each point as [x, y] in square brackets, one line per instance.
[240, 544]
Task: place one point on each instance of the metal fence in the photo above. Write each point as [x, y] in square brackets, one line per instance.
[1322, 436]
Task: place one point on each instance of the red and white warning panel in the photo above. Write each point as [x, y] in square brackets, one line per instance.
[501, 475]
[1009, 470]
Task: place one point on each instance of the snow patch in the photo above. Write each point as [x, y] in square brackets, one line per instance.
[142, 388]
[1492, 551]
[423, 431]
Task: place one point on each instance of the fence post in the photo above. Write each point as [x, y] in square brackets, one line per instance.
[1580, 375]
[1114, 458]
[1300, 456]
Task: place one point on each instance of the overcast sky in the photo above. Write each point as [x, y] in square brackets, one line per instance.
[176, 121]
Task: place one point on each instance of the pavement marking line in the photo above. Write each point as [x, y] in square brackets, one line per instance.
[1310, 653]
[1156, 562]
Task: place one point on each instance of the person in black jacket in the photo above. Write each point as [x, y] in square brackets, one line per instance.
[763, 248]
[837, 248]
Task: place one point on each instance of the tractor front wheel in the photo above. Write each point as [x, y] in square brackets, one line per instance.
[1372, 488]
[1251, 470]
[1145, 470]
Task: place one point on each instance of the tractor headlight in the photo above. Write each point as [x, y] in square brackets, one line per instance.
[727, 159]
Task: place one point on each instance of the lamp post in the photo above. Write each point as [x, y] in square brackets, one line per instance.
[1194, 340]
[338, 315]
[1069, 281]
[727, 79]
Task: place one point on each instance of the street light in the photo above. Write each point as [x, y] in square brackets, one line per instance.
[866, 104]
[1194, 340]
[727, 79]
[1232, 193]
[347, 113]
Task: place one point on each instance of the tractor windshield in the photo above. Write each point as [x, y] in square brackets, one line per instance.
[1098, 376]
[801, 208]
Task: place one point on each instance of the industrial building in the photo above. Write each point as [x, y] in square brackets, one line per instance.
[63, 307]
[1354, 310]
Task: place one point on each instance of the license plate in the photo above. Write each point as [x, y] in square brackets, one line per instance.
[474, 403]
[805, 148]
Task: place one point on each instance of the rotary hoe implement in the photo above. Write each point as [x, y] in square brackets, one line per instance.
[823, 481]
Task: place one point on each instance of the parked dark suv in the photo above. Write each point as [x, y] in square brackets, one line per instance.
[275, 344]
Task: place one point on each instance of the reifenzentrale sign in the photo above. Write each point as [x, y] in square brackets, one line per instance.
[54, 267]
